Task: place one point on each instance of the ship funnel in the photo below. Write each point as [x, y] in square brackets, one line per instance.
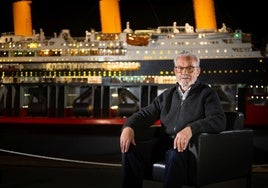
[110, 16]
[205, 19]
[22, 18]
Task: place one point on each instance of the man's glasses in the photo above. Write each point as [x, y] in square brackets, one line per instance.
[188, 69]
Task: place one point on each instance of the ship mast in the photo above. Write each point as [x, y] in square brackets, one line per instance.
[22, 18]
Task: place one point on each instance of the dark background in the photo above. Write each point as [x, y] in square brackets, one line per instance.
[81, 15]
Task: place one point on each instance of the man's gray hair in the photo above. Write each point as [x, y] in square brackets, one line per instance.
[189, 54]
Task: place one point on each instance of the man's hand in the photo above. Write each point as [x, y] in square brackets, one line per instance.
[126, 138]
[182, 139]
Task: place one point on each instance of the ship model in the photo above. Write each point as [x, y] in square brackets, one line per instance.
[113, 72]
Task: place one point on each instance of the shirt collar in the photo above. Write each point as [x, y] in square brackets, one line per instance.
[185, 94]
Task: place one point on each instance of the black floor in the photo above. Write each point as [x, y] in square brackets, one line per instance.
[31, 172]
[45, 177]
[100, 171]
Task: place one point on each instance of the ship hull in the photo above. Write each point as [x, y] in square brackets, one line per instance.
[215, 71]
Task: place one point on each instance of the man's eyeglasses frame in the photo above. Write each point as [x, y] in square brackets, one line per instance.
[188, 69]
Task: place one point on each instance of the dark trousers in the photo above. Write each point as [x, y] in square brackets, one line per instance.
[138, 161]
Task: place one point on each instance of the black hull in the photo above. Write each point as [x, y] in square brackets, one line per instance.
[217, 71]
[214, 71]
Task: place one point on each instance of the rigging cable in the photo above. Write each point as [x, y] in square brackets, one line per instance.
[154, 12]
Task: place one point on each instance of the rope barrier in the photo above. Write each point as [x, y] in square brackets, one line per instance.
[61, 159]
[84, 162]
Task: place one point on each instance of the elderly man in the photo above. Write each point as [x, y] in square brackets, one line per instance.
[188, 108]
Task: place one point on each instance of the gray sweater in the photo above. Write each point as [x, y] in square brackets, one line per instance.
[201, 110]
